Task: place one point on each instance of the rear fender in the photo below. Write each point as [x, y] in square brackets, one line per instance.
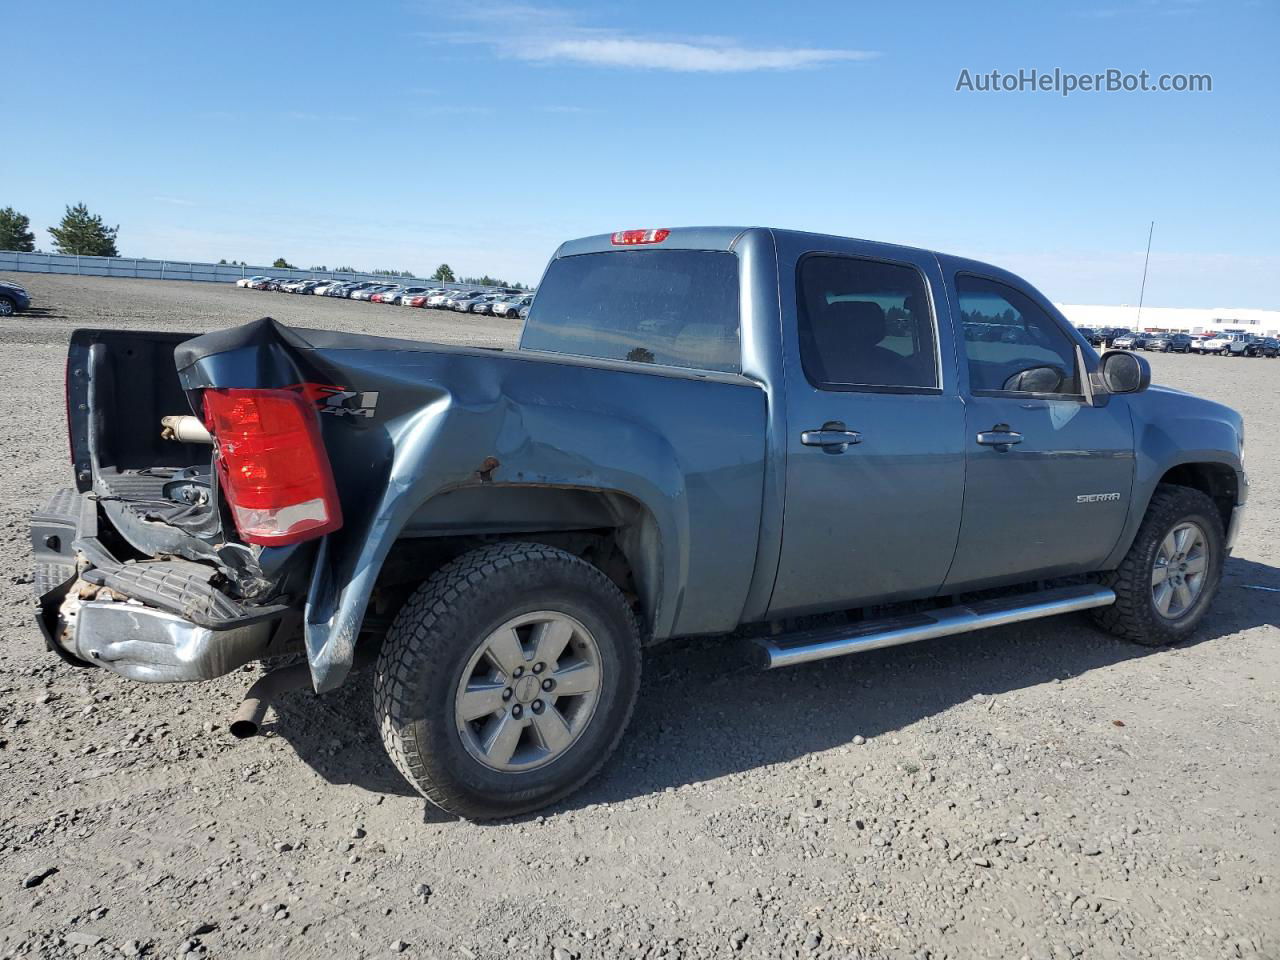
[448, 446]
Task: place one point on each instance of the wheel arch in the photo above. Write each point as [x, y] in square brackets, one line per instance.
[614, 531]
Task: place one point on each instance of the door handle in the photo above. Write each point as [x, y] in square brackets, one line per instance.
[1000, 437]
[832, 437]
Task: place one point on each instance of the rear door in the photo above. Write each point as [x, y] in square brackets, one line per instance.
[1048, 475]
[875, 425]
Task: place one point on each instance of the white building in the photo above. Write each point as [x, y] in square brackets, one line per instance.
[1174, 319]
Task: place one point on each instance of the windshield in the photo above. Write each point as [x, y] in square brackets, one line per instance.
[676, 307]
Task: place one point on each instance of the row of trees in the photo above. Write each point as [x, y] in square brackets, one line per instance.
[84, 234]
[80, 233]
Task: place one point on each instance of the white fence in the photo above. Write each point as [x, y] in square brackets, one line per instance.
[12, 260]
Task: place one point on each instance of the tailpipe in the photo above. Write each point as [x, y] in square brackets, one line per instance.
[248, 716]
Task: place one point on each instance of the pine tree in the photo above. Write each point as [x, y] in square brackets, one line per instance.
[444, 273]
[84, 234]
[15, 231]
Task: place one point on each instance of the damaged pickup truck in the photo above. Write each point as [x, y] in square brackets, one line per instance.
[807, 445]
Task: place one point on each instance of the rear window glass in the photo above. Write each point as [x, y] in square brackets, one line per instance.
[676, 307]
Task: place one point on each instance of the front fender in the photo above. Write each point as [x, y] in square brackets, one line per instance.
[1173, 429]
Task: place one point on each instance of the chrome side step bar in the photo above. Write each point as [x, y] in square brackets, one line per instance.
[787, 650]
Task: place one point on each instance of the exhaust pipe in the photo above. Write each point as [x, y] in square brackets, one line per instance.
[248, 716]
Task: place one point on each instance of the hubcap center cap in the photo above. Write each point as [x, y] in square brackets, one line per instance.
[526, 688]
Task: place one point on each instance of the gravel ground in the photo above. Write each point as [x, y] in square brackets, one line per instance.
[1041, 790]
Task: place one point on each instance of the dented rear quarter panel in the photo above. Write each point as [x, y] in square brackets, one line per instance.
[688, 447]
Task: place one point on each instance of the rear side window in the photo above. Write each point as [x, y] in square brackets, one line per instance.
[865, 324]
[676, 307]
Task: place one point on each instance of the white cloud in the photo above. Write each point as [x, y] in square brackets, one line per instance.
[549, 35]
[683, 56]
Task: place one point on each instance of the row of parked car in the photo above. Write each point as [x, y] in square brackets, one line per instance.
[502, 302]
[1214, 344]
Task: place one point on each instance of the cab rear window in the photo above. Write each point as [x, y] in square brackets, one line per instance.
[674, 307]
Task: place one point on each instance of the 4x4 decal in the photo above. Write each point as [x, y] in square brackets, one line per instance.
[339, 401]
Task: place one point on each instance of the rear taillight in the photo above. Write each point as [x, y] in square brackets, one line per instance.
[272, 463]
[627, 238]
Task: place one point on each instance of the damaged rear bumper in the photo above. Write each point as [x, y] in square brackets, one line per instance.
[162, 621]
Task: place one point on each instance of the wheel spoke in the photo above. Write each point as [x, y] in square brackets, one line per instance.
[1183, 593]
[1182, 539]
[506, 651]
[1163, 594]
[550, 640]
[480, 700]
[578, 679]
[1196, 564]
[552, 729]
[1169, 547]
[1159, 574]
[500, 744]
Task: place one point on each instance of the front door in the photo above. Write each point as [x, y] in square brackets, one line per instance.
[875, 463]
[1048, 475]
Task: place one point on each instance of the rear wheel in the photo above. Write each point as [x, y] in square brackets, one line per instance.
[7, 307]
[507, 679]
[1172, 571]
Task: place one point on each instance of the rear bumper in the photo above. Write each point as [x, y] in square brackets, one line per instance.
[159, 621]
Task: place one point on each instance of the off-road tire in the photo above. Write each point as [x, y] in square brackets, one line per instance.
[1134, 616]
[437, 631]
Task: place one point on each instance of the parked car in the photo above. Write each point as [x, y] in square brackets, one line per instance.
[438, 300]
[524, 311]
[532, 516]
[404, 292]
[510, 307]
[323, 287]
[1130, 341]
[367, 293]
[1169, 342]
[260, 283]
[250, 281]
[1228, 344]
[1198, 341]
[13, 299]
[349, 288]
[484, 304]
[462, 301]
[1263, 347]
[1102, 336]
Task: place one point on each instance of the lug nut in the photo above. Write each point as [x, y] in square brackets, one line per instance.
[516, 711]
[506, 694]
[539, 667]
[548, 684]
[537, 706]
[518, 672]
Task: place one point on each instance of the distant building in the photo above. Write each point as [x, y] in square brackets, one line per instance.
[1179, 319]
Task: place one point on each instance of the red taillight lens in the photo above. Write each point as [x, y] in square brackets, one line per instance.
[273, 465]
[627, 238]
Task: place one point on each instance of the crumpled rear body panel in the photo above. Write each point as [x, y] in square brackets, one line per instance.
[685, 449]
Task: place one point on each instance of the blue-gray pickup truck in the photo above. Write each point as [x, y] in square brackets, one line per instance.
[804, 446]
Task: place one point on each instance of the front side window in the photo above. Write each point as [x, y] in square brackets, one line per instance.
[865, 324]
[1012, 345]
[674, 307]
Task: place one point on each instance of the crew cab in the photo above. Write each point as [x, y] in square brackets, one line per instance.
[800, 446]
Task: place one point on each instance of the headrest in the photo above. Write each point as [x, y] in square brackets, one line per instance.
[860, 322]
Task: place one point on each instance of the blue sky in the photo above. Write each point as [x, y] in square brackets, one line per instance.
[403, 134]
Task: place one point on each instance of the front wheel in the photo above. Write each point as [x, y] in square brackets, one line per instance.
[7, 307]
[1172, 571]
[507, 680]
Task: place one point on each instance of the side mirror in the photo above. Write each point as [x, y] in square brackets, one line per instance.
[1124, 372]
[1036, 380]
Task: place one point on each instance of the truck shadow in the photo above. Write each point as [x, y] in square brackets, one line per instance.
[703, 714]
